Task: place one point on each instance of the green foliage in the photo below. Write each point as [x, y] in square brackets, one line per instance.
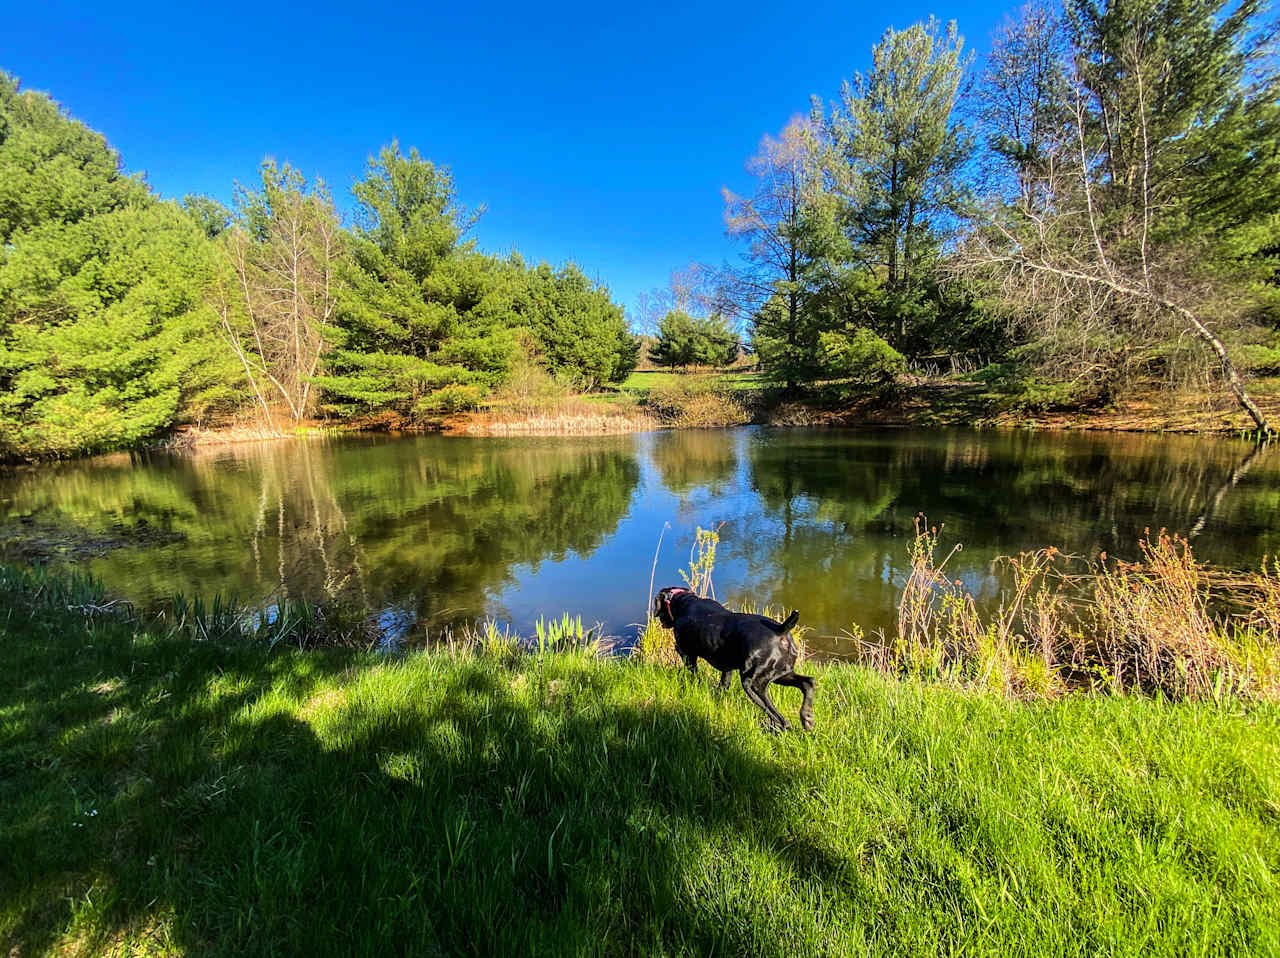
[409, 334]
[901, 151]
[104, 336]
[790, 226]
[1016, 387]
[56, 170]
[683, 340]
[1259, 359]
[582, 333]
[694, 401]
[563, 634]
[862, 356]
[702, 561]
[426, 325]
[1209, 98]
[211, 216]
[157, 790]
[1146, 231]
[787, 342]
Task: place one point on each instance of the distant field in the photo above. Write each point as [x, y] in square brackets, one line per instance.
[642, 382]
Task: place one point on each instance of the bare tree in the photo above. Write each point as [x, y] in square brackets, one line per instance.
[779, 223]
[1084, 274]
[690, 289]
[1022, 93]
[280, 296]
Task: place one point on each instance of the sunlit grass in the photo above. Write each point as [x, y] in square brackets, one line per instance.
[1166, 624]
[161, 795]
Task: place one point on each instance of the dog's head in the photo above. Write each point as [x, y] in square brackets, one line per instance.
[662, 604]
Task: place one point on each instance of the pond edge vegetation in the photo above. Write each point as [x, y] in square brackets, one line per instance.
[1165, 625]
[164, 793]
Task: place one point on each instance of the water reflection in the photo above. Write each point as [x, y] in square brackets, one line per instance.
[431, 531]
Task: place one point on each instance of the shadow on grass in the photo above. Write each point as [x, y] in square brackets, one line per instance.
[211, 799]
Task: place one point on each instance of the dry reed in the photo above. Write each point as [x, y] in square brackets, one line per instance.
[1148, 626]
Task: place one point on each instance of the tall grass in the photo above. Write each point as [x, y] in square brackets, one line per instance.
[532, 402]
[1161, 625]
[696, 401]
[294, 622]
[160, 795]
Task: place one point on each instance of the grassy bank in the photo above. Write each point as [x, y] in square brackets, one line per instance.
[160, 795]
[663, 399]
[964, 401]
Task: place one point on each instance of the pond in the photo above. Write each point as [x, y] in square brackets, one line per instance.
[432, 531]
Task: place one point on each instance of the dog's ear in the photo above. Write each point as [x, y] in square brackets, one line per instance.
[787, 623]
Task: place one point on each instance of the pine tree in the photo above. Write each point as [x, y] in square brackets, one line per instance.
[683, 340]
[403, 337]
[105, 338]
[900, 150]
[786, 224]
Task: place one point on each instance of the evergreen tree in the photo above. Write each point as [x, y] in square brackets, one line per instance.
[56, 170]
[786, 224]
[1165, 187]
[582, 332]
[899, 152]
[105, 339]
[683, 340]
[1183, 100]
[404, 339]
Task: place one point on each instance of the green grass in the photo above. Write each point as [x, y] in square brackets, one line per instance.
[164, 795]
[641, 382]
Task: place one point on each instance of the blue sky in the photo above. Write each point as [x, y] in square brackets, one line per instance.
[598, 133]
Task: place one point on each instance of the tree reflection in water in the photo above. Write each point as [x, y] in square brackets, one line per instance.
[434, 530]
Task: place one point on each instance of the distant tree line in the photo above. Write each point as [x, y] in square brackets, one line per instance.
[123, 315]
[1094, 204]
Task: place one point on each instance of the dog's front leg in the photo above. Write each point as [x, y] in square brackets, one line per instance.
[691, 662]
[725, 679]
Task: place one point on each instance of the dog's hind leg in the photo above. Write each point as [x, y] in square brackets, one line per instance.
[805, 684]
[758, 691]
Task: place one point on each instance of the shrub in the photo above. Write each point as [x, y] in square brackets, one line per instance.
[452, 398]
[1262, 360]
[696, 401]
[1017, 390]
[862, 356]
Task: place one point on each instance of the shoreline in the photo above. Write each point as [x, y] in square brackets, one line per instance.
[1148, 414]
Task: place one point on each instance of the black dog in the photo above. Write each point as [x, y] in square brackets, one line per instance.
[754, 645]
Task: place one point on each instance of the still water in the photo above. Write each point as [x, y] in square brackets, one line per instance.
[431, 531]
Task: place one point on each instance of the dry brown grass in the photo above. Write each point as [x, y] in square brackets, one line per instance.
[696, 401]
[1147, 626]
[1152, 628]
[193, 437]
[590, 419]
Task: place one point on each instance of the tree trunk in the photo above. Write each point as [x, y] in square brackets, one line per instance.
[1200, 329]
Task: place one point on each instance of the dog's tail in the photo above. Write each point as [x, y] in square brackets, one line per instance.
[786, 625]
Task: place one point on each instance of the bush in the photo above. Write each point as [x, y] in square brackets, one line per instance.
[454, 397]
[696, 401]
[685, 341]
[862, 356]
[1262, 360]
[1021, 392]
